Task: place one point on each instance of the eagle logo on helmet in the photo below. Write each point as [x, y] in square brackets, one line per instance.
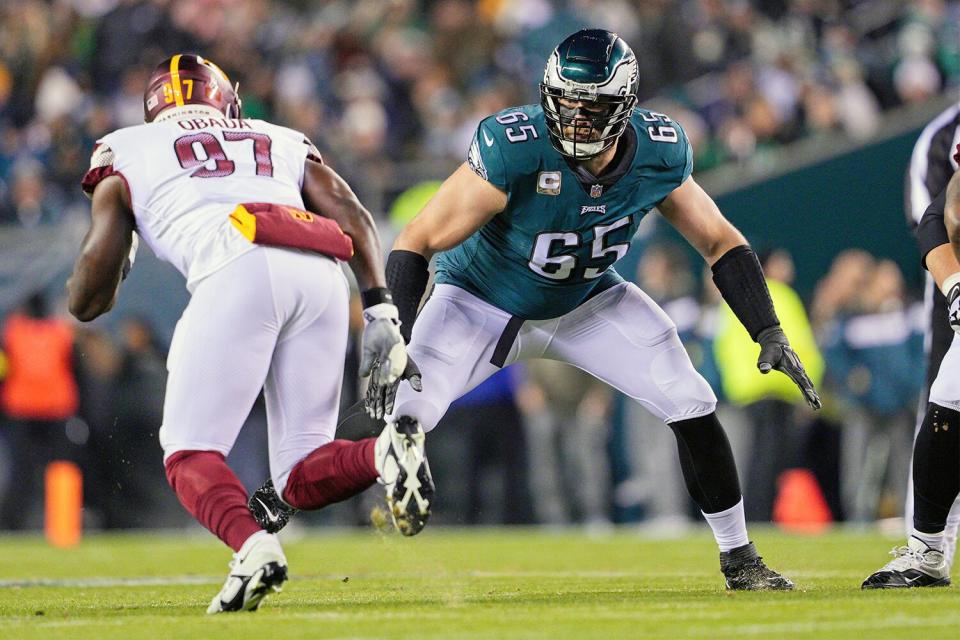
[595, 67]
[188, 79]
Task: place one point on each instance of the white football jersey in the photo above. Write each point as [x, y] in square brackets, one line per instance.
[185, 174]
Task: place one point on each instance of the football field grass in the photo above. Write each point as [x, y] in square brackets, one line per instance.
[489, 583]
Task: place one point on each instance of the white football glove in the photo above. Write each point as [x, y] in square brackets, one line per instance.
[131, 257]
[382, 345]
[953, 306]
[379, 400]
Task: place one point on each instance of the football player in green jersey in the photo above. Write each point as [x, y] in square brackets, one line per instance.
[526, 233]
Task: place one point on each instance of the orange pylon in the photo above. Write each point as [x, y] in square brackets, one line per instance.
[800, 505]
[64, 503]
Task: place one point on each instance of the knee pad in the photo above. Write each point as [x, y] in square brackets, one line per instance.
[675, 377]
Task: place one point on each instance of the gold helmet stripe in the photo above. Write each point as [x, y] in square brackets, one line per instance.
[175, 79]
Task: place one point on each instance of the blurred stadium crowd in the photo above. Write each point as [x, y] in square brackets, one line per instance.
[378, 84]
[391, 92]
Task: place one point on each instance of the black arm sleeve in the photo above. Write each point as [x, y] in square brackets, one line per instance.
[932, 230]
[739, 278]
[407, 274]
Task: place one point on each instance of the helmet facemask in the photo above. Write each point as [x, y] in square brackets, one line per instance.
[588, 130]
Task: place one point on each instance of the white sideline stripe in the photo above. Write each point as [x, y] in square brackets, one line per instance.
[160, 581]
[110, 582]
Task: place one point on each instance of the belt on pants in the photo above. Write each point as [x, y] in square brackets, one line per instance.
[505, 343]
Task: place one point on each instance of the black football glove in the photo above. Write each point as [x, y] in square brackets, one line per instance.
[953, 307]
[776, 353]
[380, 398]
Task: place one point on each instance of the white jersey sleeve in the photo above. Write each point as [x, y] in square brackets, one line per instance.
[185, 176]
[933, 162]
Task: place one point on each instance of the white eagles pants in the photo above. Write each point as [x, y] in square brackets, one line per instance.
[945, 390]
[620, 336]
[274, 319]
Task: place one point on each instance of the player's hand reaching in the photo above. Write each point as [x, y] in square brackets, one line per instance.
[379, 400]
[384, 355]
[953, 304]
[776, 353]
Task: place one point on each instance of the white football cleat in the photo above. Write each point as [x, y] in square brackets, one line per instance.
[405, 474]
[258, 569]
[915, 565]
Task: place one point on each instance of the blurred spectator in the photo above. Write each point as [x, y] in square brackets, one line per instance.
[565, 421]
[773, 404]
[485, 473]
[97, 366]
[38, 397]
[139, 493]
[32, 203]
[875, 358]
[838, 290]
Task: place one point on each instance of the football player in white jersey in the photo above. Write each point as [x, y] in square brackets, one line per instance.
[257, 224]
[926, 559]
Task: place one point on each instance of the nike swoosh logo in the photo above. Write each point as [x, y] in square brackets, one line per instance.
[231, 590]
[487, 138]
[271, 516]
[911, 581]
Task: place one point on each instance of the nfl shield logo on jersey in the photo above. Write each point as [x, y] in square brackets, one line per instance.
[596, 191]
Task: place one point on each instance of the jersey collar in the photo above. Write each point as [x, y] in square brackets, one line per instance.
[190, 111]
[618, 167]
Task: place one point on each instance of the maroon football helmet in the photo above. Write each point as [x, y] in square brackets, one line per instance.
[189, 79]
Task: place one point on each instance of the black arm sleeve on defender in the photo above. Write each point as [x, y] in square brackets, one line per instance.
[932, 230]
[739, 278]
[407, 274]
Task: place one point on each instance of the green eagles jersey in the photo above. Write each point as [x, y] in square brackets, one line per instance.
[553, 245]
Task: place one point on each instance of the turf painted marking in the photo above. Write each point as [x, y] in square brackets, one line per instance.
[159, 581]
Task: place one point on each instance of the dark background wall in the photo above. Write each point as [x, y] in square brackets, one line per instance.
[852, 200]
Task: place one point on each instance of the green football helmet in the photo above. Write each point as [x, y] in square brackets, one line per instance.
[596, 67]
